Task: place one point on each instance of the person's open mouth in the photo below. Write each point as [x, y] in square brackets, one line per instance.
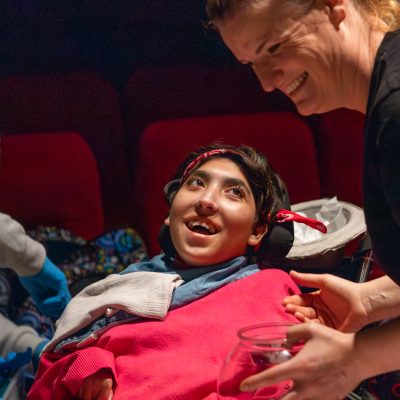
[202, 227]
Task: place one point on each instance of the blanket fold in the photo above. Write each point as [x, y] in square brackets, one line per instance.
[144, 294]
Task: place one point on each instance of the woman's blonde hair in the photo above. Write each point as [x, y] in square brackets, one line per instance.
[385, 12]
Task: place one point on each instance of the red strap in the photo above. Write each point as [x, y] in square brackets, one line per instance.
[287, 215]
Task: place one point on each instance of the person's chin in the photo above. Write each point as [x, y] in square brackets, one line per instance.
[307, 108]
[200, 256]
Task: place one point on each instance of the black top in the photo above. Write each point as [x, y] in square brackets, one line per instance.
[382, 157]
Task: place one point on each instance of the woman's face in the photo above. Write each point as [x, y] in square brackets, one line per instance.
[212, 217]
[290, 50]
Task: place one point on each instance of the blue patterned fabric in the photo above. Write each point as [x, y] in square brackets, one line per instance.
[79, 260]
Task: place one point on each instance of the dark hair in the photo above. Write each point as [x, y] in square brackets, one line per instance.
[267, 187]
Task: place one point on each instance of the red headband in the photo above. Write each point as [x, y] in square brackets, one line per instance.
[205, 155]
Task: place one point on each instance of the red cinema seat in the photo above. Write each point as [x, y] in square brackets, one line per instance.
[81, 102]
[339, 136]
[51, 180]
[283, 137]
[181, 91]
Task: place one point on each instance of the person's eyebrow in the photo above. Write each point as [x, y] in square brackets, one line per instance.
[227, 181]
[199, 174]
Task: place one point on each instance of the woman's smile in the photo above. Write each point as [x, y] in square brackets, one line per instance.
[296, 83]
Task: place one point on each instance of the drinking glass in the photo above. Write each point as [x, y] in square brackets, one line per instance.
[259, 347]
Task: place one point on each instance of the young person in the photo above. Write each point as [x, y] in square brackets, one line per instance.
[162, 328]
[328, 54]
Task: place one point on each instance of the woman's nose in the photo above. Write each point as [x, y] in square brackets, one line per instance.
[268, 76]
[206, 204]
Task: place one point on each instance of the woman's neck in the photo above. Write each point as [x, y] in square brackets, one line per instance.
[362, 51]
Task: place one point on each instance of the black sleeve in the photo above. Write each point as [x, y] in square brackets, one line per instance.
[384, 226]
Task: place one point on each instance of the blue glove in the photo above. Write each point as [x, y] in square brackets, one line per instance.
[13, 361]
[49, 289]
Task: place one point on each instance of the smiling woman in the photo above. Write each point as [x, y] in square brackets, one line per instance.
[325, 55]
[294, 47]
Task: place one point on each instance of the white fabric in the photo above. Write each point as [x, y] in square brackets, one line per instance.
[143, 293]
[17, 250]
[16, 337]
[344, 222]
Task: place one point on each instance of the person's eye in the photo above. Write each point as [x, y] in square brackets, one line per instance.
[195, 181]
[273, 49]
[237, 191]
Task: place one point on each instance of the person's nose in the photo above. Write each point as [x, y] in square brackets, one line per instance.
[207, 203]
[268, 75]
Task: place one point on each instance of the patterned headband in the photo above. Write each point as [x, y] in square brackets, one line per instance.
[205, 155]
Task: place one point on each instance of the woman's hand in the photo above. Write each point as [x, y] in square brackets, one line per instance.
[326, 368]
[338, 303]
[98, 386]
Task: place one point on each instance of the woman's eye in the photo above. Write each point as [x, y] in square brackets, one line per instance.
[273, 49]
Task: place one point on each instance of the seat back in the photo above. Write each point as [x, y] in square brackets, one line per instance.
[81, 102]
[182, 91]
[51, 180]
[340, 142]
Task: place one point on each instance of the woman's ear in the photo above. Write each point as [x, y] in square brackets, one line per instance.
[337, 12]
[166, 221]
[259, 232]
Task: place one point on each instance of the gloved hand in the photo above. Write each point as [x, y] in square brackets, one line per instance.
[48, 288]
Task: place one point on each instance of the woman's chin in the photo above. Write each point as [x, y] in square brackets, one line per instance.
[306, 109]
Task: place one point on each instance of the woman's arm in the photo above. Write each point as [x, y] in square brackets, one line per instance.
[382, 297]
[378, 348]
[342, 304]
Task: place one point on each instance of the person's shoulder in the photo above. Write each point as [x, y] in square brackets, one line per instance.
[389, 108]
[388, 133]
[386, 73]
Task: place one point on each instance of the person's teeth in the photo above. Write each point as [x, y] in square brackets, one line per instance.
[193, 224]
[296, 83]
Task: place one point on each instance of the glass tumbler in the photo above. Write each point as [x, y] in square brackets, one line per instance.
[259, 347]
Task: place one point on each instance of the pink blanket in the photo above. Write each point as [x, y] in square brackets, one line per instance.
[178, 358]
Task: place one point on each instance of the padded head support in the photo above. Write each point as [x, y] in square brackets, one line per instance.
[277, 243]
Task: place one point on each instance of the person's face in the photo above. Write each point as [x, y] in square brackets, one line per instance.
[290, 50]
[212, 217]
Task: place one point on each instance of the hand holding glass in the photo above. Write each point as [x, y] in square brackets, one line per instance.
[259, 347]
